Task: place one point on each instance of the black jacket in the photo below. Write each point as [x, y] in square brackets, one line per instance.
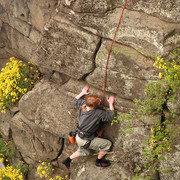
[89, 121]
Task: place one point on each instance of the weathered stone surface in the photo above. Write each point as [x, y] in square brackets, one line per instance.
[171, 163]
[17, 44]
[59, 78]
[35, 35]
[34, 143]
[5, 124]
[88, 170]
[3, 61]
[18, 9]
[125, 76]
[20, 25]
[148, 34]
[51, 114]
[40, 12]
[0, 24]
[67, 49]
[167, 10]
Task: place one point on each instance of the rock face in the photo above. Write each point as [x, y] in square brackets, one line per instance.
[33, 142]
[70, 39]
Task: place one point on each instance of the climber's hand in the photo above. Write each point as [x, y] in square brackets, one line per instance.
[85, 90]
[110, 100]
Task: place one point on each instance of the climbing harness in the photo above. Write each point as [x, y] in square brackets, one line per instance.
[105, 78]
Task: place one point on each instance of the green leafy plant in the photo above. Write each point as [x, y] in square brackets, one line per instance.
[23, 168]
[7, 149]
[15, 171]
[163, 134]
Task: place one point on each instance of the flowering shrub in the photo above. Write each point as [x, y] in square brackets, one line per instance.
[170, 72]
[59, 178]
[16, 79]
[1, 158]
[8, 173]
[163, 133]
[16, 171]
[45, 171]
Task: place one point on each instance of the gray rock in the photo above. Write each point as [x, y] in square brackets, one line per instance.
[67, 49]
[5, 124]
[18, 24]
[168, 10]
[51, 114]
[170, 167]
[35, 35]
[59, 78]
[18, 9]
[88, 170]
[41, 12]
[34, 143]
[16, 43]
[3, 61]
[150, 35]
[125, 76]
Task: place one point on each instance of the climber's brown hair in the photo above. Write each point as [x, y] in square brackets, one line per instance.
[92, 101]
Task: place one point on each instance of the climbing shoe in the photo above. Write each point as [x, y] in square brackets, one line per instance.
[102, 163]
[66, 162]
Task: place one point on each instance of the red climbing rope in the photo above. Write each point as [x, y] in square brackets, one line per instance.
[110, 51]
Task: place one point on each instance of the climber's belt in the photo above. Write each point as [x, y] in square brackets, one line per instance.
[83, 134]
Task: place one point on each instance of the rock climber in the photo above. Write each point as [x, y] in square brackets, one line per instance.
[90, 117]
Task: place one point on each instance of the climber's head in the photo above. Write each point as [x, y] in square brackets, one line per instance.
[92, 101]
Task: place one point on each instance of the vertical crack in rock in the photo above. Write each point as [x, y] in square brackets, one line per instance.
[94, 57]
[61, 150]
[158, 176]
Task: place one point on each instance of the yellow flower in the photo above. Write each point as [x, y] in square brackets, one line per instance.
[66, 176]
[175, 76]
[169, 148]
[152, 130]
[1, 159]
[3, 111]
